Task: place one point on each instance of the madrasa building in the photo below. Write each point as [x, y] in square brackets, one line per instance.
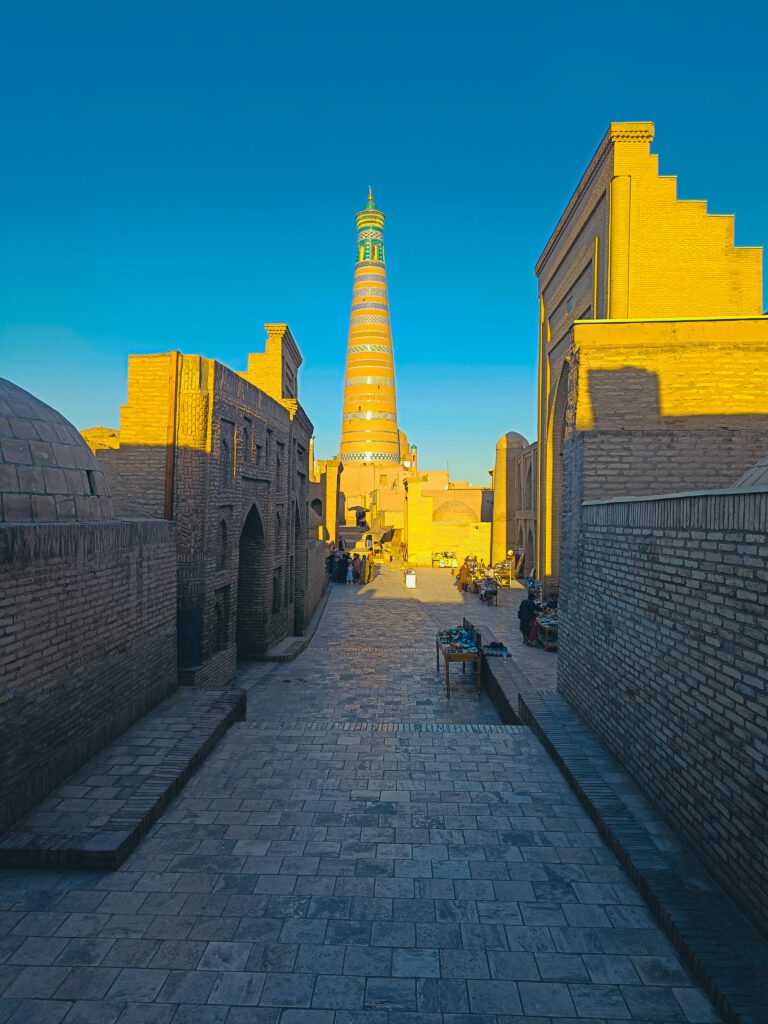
[376, 478]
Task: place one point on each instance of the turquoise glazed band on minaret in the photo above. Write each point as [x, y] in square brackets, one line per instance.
[369, 420]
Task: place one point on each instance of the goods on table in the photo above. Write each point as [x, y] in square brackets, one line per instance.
[459, 644]
[457, 639]
[502, 571]
[548, 622]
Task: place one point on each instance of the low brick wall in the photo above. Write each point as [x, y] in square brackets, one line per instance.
[87, 645]
[664, 651]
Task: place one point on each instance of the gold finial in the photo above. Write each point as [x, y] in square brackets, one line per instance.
[370, 194]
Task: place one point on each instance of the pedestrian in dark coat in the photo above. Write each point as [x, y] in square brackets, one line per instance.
[527, 613]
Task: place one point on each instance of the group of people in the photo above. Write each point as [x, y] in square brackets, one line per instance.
[483, 577]
[350, 569]
[470, 569]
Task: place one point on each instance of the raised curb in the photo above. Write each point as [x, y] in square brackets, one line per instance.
[726, 955]
[202, 715]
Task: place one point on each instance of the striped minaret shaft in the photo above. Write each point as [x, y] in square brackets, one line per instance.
[369, 425]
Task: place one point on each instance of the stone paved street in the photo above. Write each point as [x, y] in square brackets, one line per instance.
[359, 851]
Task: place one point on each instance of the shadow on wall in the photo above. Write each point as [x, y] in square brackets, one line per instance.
[615, 440]
[629, 398]
[247, 565]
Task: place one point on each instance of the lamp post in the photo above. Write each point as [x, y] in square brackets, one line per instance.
[510, 556]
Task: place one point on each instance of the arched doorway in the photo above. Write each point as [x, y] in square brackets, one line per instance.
[251, 588]
[530, 553]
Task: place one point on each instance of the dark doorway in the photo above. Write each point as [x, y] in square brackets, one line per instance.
[252, 587]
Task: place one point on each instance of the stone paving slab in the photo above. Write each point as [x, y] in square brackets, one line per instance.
[726, 954]
[104, 809]
[359, 851]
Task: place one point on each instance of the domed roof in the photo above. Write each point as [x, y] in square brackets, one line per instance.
[757, 476]
[511, 440]
[48, 473]
[454, 512]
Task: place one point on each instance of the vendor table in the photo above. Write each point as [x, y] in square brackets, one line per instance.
[548, 637]
[464, 657]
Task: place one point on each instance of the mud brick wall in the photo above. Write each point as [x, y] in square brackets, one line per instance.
[317, 577]
[87, 645]
[664, 651]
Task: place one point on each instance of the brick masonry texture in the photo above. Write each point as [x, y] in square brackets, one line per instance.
[102, 811]
[664, 652]
[226, 456]
[87, 645]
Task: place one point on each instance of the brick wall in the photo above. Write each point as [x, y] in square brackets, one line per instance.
[664, 650]
[87, 645]
[317, 577]
[234, 448]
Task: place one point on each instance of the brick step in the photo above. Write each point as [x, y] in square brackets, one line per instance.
[103, 811]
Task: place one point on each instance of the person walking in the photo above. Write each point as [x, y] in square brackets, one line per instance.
[350, 570]
[341, 568]
[356, 568]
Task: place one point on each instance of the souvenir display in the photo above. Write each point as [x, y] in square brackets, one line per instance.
[458, 639]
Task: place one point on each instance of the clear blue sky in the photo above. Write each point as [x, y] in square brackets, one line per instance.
[174, 174]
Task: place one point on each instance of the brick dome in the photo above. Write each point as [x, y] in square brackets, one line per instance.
[454, 512]
[757, 476]
[48, 473]
[511, 440]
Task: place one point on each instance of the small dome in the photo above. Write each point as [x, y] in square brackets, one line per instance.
[757, 476]
[511, 440]
[48, 473]
[454, 512]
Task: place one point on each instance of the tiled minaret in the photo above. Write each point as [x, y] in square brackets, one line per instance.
[369, 431]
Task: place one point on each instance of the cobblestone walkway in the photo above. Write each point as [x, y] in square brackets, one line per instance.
[359, 851]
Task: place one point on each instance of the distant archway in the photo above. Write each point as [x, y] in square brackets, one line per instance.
[529, 487]
[251, 588]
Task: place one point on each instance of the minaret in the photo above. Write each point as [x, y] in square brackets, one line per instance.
[369, 431]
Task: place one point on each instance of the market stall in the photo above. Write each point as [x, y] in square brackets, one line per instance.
[547, 621]
[462, 645]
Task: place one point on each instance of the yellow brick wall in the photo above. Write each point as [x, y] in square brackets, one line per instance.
[463, 538]
[685, 370]
[681, 260]
[418, 525]
[626, 248]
